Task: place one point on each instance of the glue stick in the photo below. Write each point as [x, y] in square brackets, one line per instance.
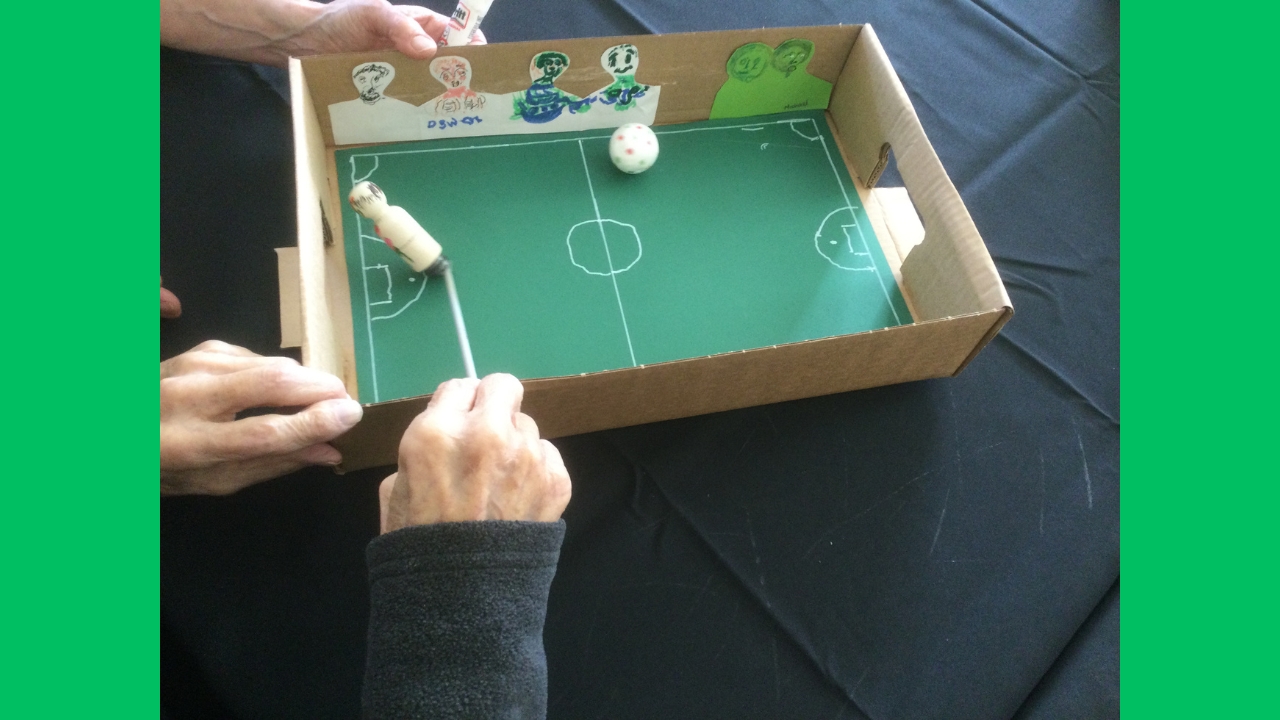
[465, 22]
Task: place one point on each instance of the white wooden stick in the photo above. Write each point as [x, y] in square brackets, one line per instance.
[465, 22]
[456, 306]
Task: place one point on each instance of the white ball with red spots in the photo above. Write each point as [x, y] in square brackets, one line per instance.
[633, 148]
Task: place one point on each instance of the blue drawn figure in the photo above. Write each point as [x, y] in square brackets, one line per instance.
[543, 101]
[621, 62]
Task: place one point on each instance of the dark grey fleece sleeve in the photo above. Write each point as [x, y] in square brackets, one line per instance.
[456, 616]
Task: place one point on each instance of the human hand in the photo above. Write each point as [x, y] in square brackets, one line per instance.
[356, 25]
[205, 450]
[169, 305]
[472, 455]
[270, 31]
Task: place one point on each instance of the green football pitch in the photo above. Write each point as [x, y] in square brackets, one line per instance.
[746, 233]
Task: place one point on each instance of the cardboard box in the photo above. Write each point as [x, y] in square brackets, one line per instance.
[947, 277]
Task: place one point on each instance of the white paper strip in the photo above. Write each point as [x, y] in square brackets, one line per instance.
[463, 112]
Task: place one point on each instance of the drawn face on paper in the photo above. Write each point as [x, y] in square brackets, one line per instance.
[621, 59]
[747, 62]
[548, 65]
[452, 72]
[371, 79]
[792, 55]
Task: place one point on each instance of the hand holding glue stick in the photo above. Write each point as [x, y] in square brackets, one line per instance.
[465, 23]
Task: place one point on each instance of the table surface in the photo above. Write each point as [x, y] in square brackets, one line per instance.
[944, 549]
[746, 233]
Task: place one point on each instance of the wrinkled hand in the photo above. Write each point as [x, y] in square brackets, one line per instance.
[270, 31]
[472, 455]
[169, 305]
[355, 25]
[204, 450]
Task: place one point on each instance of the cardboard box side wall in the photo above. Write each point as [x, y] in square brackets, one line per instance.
[319, 345]
[340, 311]
[950, 272]
[632, 396]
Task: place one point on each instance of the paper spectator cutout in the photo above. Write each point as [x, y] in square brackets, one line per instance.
[463, 111]
[621, 62]
[764, 80]
[543, 101]
[372, 117]
[458, 98]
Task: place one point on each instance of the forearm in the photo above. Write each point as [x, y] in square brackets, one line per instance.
[261, 31]
[456, 618]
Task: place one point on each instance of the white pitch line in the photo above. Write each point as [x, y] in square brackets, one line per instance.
[613, 275]
[368, 312]
[853, 211]
[421, 287]
[366, 175]
[386, 270]
[564, 140]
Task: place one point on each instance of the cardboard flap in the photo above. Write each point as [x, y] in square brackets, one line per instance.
[290, 302]
[950, 272]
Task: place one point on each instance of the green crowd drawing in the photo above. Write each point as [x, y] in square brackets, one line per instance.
[544, 102]
[764, 80]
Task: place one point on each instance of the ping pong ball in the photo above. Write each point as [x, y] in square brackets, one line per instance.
[633, 148]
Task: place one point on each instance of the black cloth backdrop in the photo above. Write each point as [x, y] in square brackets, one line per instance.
[941, 549]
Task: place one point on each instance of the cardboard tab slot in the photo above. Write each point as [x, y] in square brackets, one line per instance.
[290, 301]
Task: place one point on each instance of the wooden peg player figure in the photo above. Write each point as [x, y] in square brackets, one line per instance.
[398, 229]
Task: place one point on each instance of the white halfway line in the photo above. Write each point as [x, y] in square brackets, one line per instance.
[613, 275]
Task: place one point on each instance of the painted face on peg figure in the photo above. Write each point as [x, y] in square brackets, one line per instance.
[792, 55]
[367, 199]
[748, 61]
[452, 72]
[371, 79]
[621, 59]
[548, 65]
